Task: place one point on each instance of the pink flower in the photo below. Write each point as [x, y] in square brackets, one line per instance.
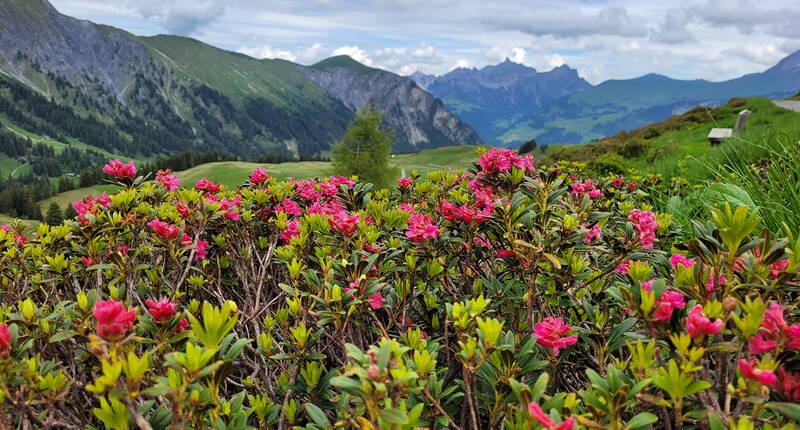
[162, 310]
[646, 226]
[338, 181]
[168, 180]
[776, 268]
[788, 385]
[5, 339]
[232, 215]
[292, 230]
[289, 207]
[113, 320]
[545, 421]
[200, 252]
[793, 335]
[759, 344]
[259, 176]
[623, 268]
[183, 209]
[617, 183]
[632, 186]
[207, 186]
[376, 300]
[503, 160]
[550, 334]
[87, 261]
[668, 302]
[344, 223]
[404, 182]
[588, 187]
[505, 253]
[164, 230]
[773, 321]
[679, 260]
[593, 234]
[183, 324]
[697, 324]
[421, 227]
[405, 207]
[750, 371]
[120, 169]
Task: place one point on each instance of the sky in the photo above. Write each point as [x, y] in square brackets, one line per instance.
[602, 39]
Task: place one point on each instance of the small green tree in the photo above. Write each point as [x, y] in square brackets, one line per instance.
[54, 215]
[70, 212]
[64, 184]
[365, 149]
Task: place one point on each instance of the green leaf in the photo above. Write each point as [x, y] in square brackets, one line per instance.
[789, 410]
[349, 385]
[720, 193]
[316, 415]
[394, 416]
[641, 420]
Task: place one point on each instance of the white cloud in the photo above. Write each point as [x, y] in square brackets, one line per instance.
[555, 60]
[267, 52]
[355, 53]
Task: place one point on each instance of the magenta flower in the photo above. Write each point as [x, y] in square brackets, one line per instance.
[646, 225]
[667, 303]
[503, 160]
[162, 310]
[679, 260]
[376, 300]
[593, 234]
[344, 223]
[113, 320]
[164, 230]
[551, 332]
[120, 170]
[259, 176]
[404, 182]
[168, 180]
[207, 186]
[545, 421]
[421, 227]
[750, 371]
[292, 230]
[697, 324]
[289, 207]
[5, 339]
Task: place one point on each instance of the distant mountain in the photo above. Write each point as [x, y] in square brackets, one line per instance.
[492, 98]
[559, 107]
[153, 95]
[416, 117]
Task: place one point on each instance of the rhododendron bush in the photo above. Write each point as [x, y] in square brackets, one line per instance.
[508, 296]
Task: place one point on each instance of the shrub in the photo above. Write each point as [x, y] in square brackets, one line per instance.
[503, 296]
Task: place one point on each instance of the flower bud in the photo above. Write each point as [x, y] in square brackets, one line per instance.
[373, 372]
[729, 304]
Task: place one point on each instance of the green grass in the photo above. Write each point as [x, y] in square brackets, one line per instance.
[234, 173]
[344, 61]
[233, 74]
[5, 220]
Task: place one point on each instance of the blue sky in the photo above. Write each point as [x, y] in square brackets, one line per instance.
[603, 39]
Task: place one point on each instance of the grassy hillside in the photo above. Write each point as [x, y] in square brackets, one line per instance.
[679, 145]
[234, 173]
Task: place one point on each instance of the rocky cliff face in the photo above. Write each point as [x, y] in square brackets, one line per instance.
[418, 119]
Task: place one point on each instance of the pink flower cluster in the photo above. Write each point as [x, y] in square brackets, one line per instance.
[545, 421]
[113, 320]
[503, 160]
[588, 187]
[292, 230]
[207, 186]
[164, 230]
[646, 225]
[259, 176]
[168, 180]
[593, 234]
[344, 222]
[464, 213]
[551, 332]
[404, 182]
[200, 251]
[775, 331]
[750, 370]
[698, 324]
[120, 170]
[289, 207]
[421, 227]
[667, 303]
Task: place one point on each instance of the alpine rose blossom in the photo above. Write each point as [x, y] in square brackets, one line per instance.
[667, 303]
[593, 234]
[168, 180]
[259, 176]
[421, 227]
[697, 324]
[113, 320]
[344, 223]
[503, 160]
[646, 225]
[404, 182]
[750, 371]
[162, 310]
[164, 230]
[551, 332]
[5, 339]
[120, 170]
[545, 421]
[376, 300]
[207, 186]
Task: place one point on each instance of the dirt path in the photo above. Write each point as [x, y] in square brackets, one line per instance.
[788, 104]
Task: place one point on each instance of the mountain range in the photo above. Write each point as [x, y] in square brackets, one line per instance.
[510, 103]
[143, 96]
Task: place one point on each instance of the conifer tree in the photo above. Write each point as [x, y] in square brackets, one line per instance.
[365, 149]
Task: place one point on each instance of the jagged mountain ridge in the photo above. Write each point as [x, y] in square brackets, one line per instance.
[507, 110]
[184, 94]
[490, 97]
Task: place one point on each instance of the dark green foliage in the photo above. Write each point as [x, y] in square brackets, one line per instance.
[365, 149]
[54, 215]
[527, 147]
[65, 184]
